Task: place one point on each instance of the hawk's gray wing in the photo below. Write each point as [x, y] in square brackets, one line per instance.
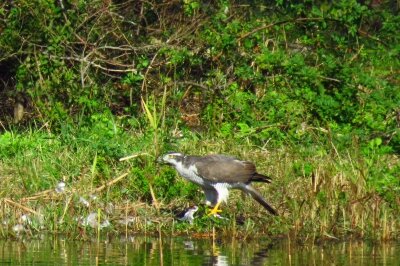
[219, 168]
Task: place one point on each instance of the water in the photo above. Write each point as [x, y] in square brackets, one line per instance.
[190, 251]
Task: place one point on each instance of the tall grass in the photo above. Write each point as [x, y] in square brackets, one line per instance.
[318, 192]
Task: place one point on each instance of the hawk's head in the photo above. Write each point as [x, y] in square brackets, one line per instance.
[171, 158]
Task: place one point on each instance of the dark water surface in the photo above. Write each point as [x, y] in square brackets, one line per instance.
[190, 251]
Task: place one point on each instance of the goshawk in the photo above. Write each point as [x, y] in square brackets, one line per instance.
[216, 174]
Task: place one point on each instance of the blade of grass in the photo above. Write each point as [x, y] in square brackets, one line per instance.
[150, 116]
[93, 170]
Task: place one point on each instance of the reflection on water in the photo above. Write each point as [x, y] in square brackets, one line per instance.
[188, 251]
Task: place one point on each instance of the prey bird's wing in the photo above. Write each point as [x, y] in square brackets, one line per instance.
[219, 168]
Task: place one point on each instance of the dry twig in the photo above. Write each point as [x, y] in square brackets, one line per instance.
[20, 206]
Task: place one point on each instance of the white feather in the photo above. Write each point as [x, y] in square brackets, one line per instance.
[190, 173]
[223, 192]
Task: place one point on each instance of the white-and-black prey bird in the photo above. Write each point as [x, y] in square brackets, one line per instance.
[188, 214]
[216, 174]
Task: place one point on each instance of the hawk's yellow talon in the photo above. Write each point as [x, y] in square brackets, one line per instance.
[215, 210]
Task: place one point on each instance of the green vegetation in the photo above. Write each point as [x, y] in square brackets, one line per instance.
[309, 92]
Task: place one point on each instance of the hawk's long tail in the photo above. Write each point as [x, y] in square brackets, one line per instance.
[260, 178]
[257, 196]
